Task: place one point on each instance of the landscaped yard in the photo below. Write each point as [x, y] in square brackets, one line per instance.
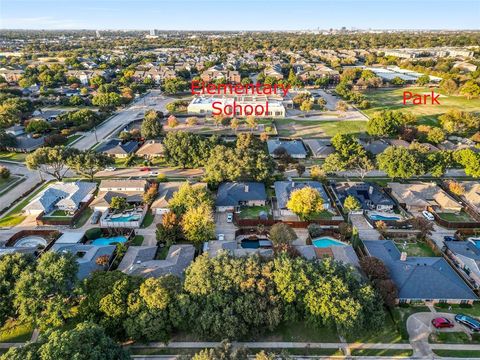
[83, 218]
[15, 332]
[323, 215]
[381, 352]
[148, 219]
[252, 212]
[137, 240]
[454, 217]
[60, 213]
[452, 338]
[392, 99]
[415, 248]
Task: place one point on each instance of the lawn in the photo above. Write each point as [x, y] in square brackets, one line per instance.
[14, 217]
[451, 338]
[252, 212]
[15, 332]
[148, 219]
[300, 332]
[472, 354]
[12, 156]
[72, 138]
[62, 213]
[5, 183]
[392, 99]
[416, 249]
[83, 218]
[381, 352]
[318, 128]
[323, 215]
[137, 240]
[473, 310]
[453, 217]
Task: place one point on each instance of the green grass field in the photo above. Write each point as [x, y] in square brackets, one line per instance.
[15, 332]
[12, 156]
[318, 128]
[452, 217]
[392, 99]
[458, 353]
[252, 212]
[416, 249]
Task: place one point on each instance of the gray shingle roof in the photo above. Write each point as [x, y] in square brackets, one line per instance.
[231, 193]
[293, 147]
[420, 277]
[366, 193]
[116, 146]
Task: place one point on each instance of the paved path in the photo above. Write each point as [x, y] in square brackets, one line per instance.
[365, 230]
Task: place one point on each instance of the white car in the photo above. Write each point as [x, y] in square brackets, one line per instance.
[110, 168]
[153, 173]
[229, 217]
[428, 215]
[221, 237]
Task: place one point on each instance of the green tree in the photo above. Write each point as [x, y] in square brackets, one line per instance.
[151, 126]
[385, 123]
[351, 204]
[88, 163]
[198, 224]
[423, 80]
[189, 197]
[305, 202]
[37, 126]
[107, 101]
[281, 233]
[118, 203]
[400, 162]
[470, 161]
[51, 160]
[435, 136]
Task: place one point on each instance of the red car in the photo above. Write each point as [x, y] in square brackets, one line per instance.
[441, 323]
[145, 169]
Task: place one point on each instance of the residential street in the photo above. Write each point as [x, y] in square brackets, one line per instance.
[137, 172]
[153, 100]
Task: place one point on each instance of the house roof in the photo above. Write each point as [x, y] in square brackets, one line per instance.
[423, 194]
[364, 192]
[283, 189]
[420, 277]
[86, 256]
[464, 248]
[376, 146]
[320, 147]
[165, 193]
[472, 193]
[214, 247]
[116, 146]
[27, 143]
[135, 254]
[178, 259]
[66, 194]
[116, 184]
[231, 193]
[104, 198]
[293, 147]
[151, 147]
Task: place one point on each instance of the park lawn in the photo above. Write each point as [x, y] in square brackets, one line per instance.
[12, 156]
[83, 218]
[14, 332]
[451, 338]
[252, 212]
[14, 217]
[416, 249]
[137, 240]
[318, 128]
[392, 99]
[148, 219]
[382, 352]
[473, 354]
[453, 217]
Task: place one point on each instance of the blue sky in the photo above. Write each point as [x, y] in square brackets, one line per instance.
[239, 15]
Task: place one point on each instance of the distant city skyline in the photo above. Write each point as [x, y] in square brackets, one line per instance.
[239, 15]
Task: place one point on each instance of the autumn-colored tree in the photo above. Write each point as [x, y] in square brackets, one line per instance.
[305, 202]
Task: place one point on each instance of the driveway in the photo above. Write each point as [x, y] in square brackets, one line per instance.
[222, 227]
[419, 328]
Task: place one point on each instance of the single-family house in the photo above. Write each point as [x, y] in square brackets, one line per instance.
[294, 148]
[466, 255]
[283, 190]
[165, 192]
[345, 254]
[117, 148]
[420, 195]
[427, 279]
[375, 147]
[15, 130]
[65, 196]
[151, 149]
[232, 195]
[320, 148]
[140, 261]
[471, 196]
[369, 195]
[131, 190]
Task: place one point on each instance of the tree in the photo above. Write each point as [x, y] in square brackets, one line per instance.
[4, 172]
[470, 89]
[118, 203]
[151, 194]
[388, 291]
[169, 230]
[251, 122]
[449, 86]
[151, 126]
[11, 267]
[398, 81]
[107, 101]
[385, 123]
[460, 122]
[234, 124]
[361, 165]
[52, 161]
[37, 126]
[470, 161]
[188, 197]
[41, 295]
[305, 202]
[400, 162]
[198, 224]
[423, 80]
[341, 106]
[172, 121]
[317, 173]
[281, 234]
[300, 169]
[88, 163]
[423, 225]
[192, 120]
[374, 268]
[306, 107]
[351, 204]
[455, 187]
[435, 136]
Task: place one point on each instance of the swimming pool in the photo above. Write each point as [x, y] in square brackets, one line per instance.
[30, 241]
[324, 242]
[383, 217]
[124, 218]
[255, 244]
[109, 241]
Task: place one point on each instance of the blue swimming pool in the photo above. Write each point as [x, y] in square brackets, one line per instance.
[124, 218]
[325, 242]
[255, 244]
[109, 241]
[383, 217]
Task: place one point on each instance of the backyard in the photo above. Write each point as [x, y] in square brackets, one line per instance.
[415, 248]
[253, 212]
[455, 217]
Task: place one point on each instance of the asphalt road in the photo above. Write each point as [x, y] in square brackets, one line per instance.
[153, 100]
[137, 172]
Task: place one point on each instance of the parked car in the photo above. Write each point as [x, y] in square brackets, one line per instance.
[221, 237]
[153, 173]
[441, 322]
[95, 217]
[229, 217]
[145, 169]
[428, 215]
[468, 321]
[449, 238]
[110, 168]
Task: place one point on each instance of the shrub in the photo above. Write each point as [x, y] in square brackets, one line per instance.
[93, 233]
[315, 230]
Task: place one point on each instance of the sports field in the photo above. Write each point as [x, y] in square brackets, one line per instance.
[392, 99]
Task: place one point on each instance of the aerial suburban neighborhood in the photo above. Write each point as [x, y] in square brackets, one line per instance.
[238, 194]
